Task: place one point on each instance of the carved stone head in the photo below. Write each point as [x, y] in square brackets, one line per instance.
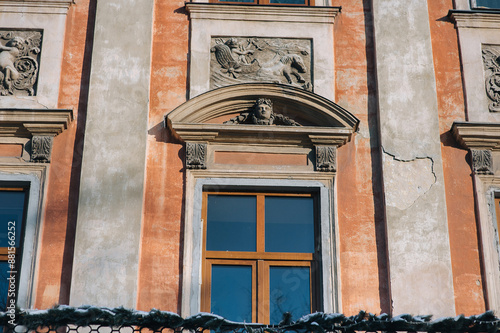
[263, 108]
[16, 42]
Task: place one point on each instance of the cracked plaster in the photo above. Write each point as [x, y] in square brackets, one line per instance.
[416, 177]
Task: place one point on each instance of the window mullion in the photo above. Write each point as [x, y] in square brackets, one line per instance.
[261, 227]
[263, 292]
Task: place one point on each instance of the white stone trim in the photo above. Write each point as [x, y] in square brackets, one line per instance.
[486, 188]
[193, 227]
[36, 6]
[34, 176]
[50, 18]
[315, 23]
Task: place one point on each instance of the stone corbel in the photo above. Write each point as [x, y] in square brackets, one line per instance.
[196, 155]
[326, 158]
[41, 148]
[482, 161]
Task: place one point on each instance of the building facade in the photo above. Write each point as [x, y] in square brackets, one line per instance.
[250, 158]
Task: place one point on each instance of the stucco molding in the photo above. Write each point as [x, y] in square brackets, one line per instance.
[475, 18]
[36, 6]
[477, 135]
[201, 118]
[26, 123]
[256, 13]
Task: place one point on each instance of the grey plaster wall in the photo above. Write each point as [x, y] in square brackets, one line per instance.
[111, 191]
[417, 233]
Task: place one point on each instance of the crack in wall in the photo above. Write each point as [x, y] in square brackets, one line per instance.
[407, 180]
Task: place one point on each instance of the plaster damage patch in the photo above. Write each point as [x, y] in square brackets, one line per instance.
[410, 179]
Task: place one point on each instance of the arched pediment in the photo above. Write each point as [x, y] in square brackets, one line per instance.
[203, 117]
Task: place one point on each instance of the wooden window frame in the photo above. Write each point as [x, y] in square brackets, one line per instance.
[260, 260]
[265, 2]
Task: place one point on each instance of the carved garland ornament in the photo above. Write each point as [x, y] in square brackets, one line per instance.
[196, 155]
[262, 114]
[482, 161]
[326, 158]
[19, 57]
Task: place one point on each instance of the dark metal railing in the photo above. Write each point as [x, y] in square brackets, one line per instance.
[89, 319]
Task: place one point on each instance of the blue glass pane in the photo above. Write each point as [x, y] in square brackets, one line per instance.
[289, 292]
[290, 224]
[298, 2]
[231, 223]
[11, 210]
[231, 294]
[4, 284]
[488, 3]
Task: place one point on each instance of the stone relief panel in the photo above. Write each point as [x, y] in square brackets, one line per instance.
[19, 61]
[250, 59]
[491, 61]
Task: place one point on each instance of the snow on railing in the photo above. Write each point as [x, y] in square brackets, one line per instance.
[90, 319]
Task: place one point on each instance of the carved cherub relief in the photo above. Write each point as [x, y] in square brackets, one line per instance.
[19, 62]
[278, 60]
[262, 114]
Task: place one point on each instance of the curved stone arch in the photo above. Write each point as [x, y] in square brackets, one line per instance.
[199, 119]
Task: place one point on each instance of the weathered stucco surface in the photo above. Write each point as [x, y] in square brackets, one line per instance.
[108, 230]
[417, 234]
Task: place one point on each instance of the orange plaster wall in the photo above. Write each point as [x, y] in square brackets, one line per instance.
[467, 280]
[11, 150]
[360, 213]
[54, 265]
[161, 240]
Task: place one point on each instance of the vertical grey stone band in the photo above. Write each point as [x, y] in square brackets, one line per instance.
[112, 180]
[416, 217]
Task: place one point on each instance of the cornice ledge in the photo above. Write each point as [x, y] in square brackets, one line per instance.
[266, 13]
[488, 19]
[261, 134]
[36, 6]
[477, 135]
[49, 122]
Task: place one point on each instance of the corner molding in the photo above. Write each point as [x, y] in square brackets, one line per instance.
[40, 126]
[262, 13]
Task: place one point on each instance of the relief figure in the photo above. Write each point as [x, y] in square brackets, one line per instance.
[278, 60]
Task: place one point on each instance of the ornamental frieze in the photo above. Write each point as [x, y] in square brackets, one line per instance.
[243, 60]
[19, 62]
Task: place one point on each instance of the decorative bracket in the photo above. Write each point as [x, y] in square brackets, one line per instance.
[482, 161]
[326, 158]
[196, 155]
[41, 148]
